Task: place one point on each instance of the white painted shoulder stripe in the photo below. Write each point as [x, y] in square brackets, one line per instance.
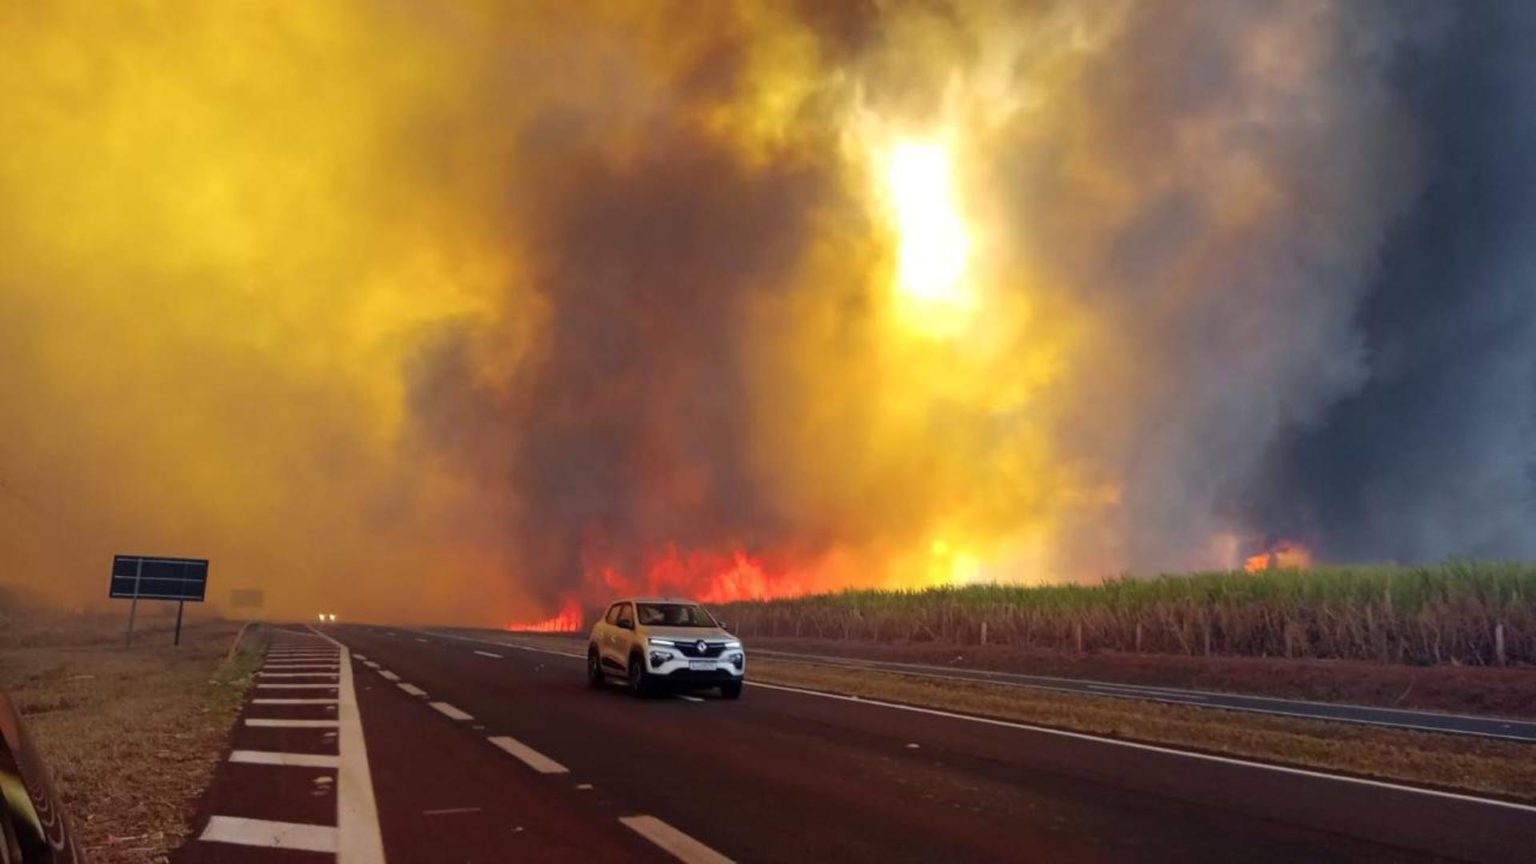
[294, 760]
[682, 847]
[273, 835]
[277, 723]
[293, 701]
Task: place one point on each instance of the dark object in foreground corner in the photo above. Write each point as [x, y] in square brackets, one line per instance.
[33, 827]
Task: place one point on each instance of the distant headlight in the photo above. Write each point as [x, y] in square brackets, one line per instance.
[667, 642]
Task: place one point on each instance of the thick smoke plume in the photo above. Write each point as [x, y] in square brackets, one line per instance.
[471, 311]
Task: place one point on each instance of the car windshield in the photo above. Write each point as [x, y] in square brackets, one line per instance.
[674, 615]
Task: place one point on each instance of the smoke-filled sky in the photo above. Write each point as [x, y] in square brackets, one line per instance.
[465, 311]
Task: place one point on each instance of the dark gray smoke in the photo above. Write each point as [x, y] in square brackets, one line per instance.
[1435, 455]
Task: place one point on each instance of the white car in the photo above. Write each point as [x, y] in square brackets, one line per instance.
[655, 642]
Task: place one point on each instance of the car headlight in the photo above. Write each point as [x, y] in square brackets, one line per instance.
[667, 642]
[737, 659]
[659, 658]
[730, 645]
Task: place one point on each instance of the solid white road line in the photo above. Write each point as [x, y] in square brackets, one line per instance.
[293, 701]
[296, 686]
[451, 711]
[388, 675]
[357, 813]
[1083, 736]
[411, 689]
[682, 847]
[488, 654]
[419, 639]
[297, 674]
[529, 756]
[294, 760]
[276, 835]
[279, 723]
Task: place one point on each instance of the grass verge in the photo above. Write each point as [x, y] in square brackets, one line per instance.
[130, 735]
[1497, 768]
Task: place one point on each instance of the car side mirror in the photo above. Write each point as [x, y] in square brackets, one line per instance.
[724, 626]
[626, 624]
[32, 821]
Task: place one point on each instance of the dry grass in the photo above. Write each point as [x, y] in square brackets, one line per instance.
[131, 735]
[1502, 769]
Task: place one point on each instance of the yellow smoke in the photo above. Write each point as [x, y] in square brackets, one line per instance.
[231, 232]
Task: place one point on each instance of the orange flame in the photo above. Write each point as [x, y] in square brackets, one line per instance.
[1282, 555]
[568, 621]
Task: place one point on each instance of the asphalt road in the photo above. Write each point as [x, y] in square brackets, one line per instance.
[785, 775]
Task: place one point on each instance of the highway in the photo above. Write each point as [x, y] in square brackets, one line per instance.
[484, 752]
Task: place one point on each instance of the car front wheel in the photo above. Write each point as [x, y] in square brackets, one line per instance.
[639, 683]
[594, 668]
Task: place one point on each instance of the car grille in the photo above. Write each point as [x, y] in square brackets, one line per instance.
[691, 649]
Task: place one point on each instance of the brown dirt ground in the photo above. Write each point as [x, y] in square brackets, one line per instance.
[131, 736]
[1507, 692]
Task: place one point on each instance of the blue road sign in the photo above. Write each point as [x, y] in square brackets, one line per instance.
[142, 577]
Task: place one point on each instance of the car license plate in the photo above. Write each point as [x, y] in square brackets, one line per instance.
[701, 665]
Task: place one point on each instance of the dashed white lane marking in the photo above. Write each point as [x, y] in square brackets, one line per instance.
[293, 701]
[361, 656]
[277, 835]
[280, 723]
[682, 847]
[297, 674]
[370, 664]
[488, 654]
[529, 756]
[295, 760]
[388, 675]
[296, 686]
[357, 813]
[412, 689]
[419, 639]
[686, 698]
[451, 711]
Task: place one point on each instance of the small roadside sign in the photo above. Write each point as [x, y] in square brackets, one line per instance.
[158, 578]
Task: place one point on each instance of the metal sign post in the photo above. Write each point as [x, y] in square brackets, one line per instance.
[152, 578]
[133, 608]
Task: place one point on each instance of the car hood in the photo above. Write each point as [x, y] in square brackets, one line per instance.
[689, 634]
